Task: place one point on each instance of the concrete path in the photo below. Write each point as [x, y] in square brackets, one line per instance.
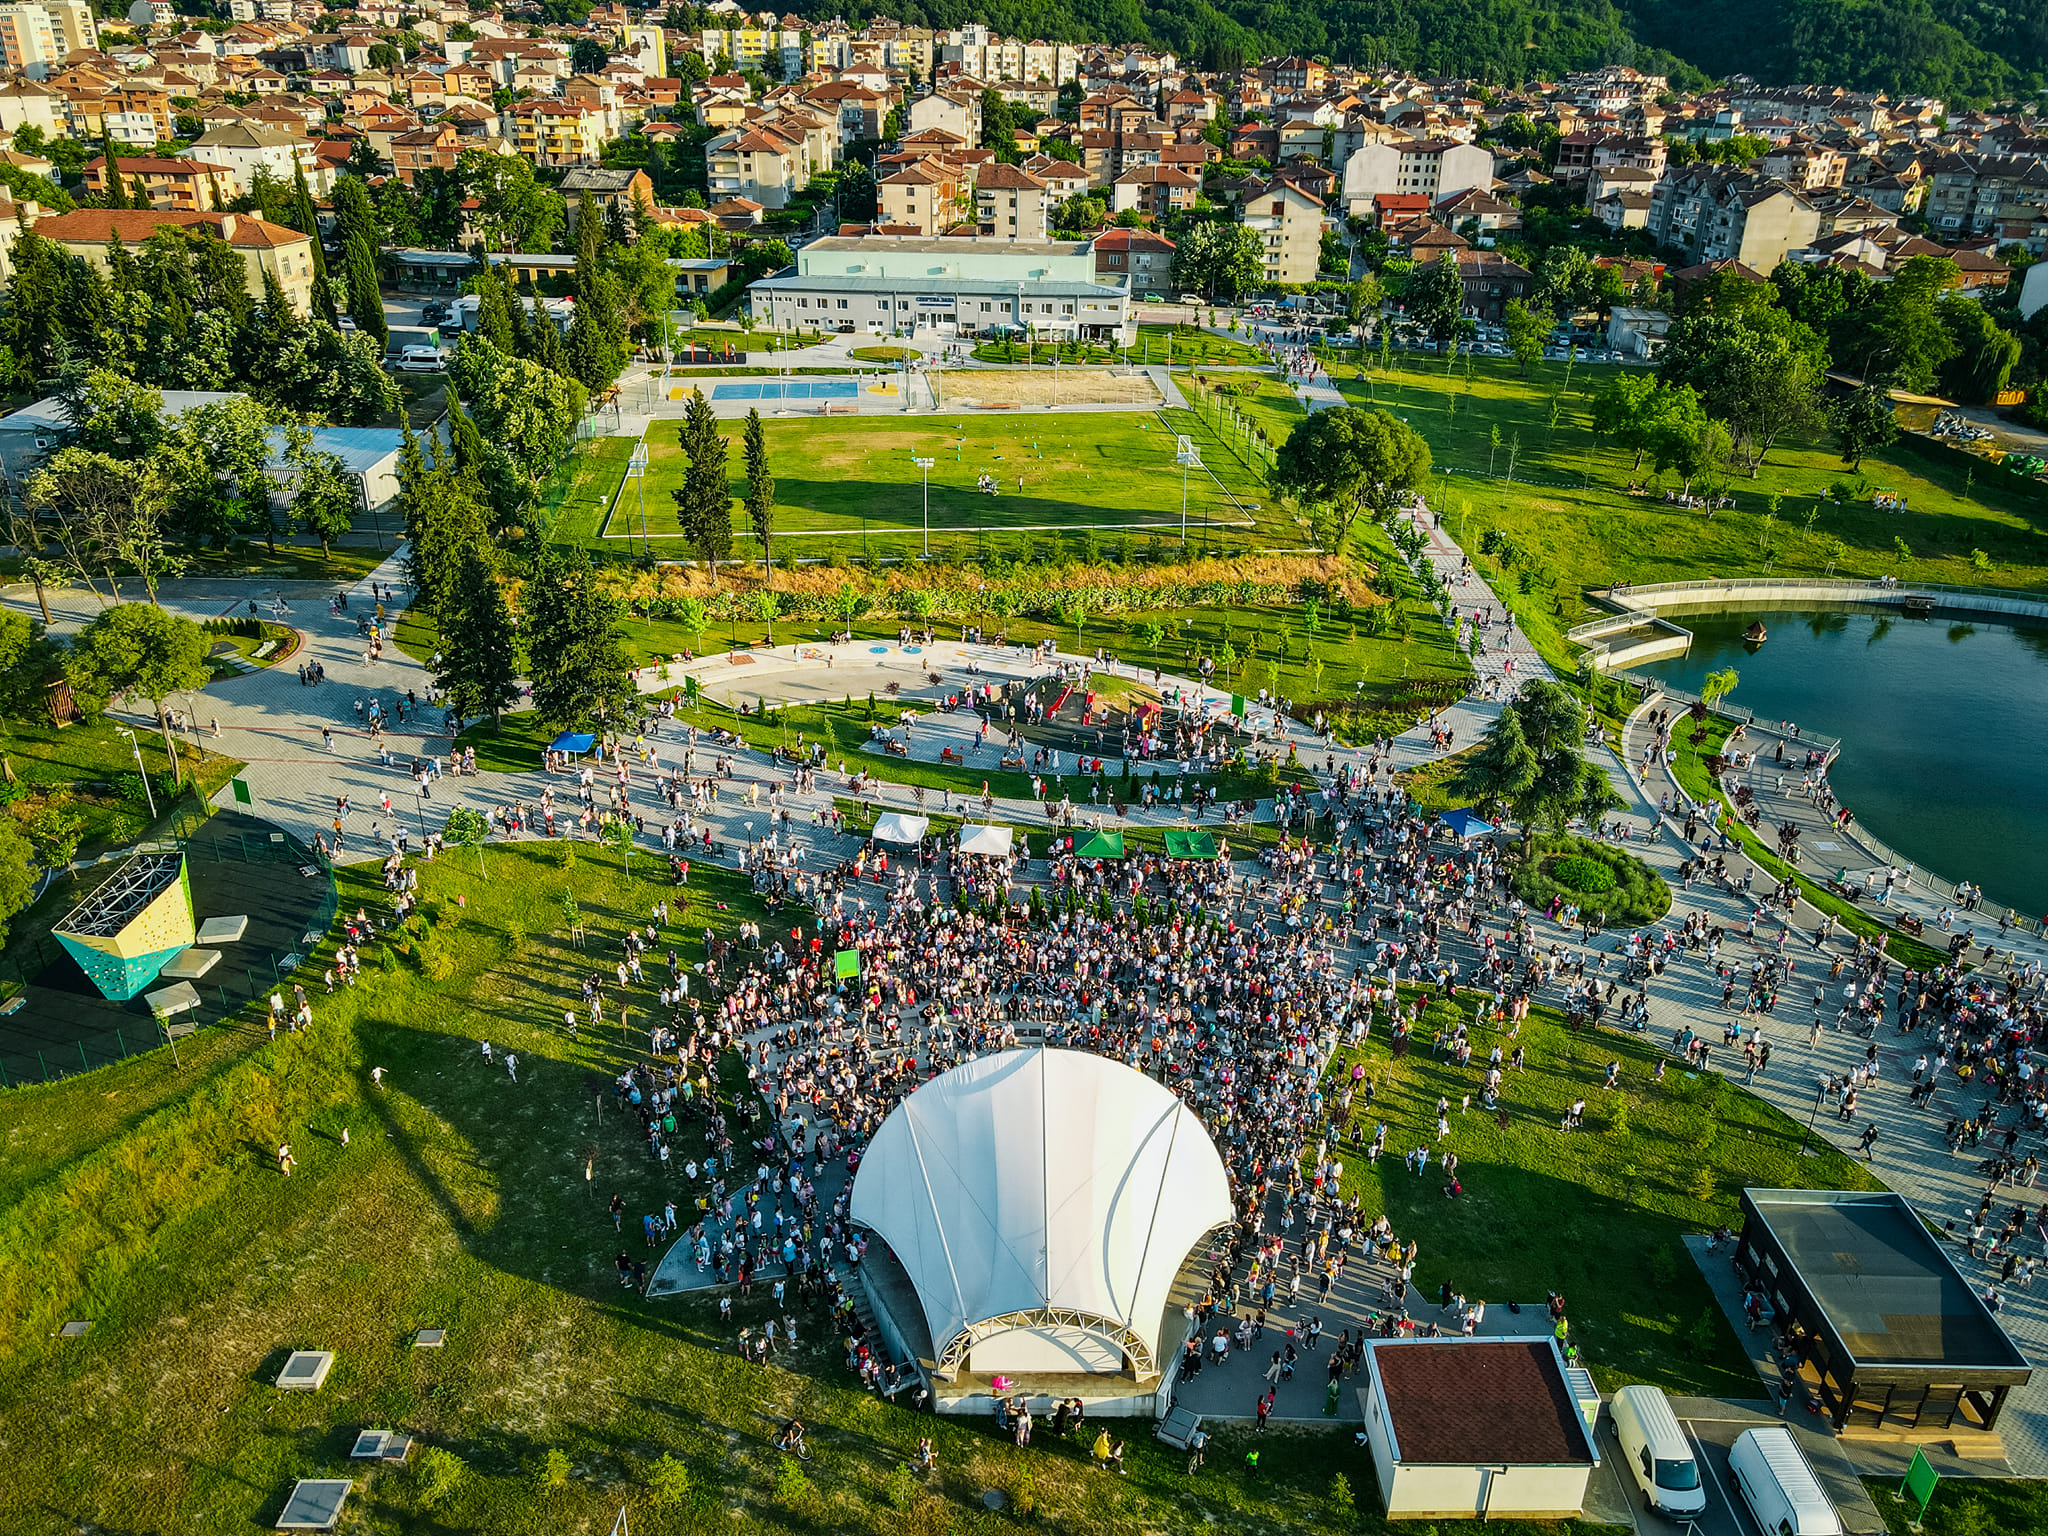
[1911, 1155]
[269, 720]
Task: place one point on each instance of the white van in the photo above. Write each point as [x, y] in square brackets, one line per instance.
[1773, 1478]
[420, 360]
[1658, 1452]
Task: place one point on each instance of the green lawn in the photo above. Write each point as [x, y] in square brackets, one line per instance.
[744, 341]
[1192, 346]
[1966, 1507]
[841, 481]
[1266, 403]
[149, 1202]
[1574, 528]
[580, 492]
[1597, 1214]
[87, 771]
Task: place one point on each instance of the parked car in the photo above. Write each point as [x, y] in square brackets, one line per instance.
[419, 360]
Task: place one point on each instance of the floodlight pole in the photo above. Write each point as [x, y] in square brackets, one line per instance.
[136, 747]
[925, 465]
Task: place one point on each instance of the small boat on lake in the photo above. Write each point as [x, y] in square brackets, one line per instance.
[1756, 634]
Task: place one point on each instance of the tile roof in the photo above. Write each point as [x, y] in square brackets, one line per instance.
[97, 226]
[1487, 1400]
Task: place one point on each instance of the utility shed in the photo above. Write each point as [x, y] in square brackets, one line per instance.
[1891, 1336]
[1475, 1429]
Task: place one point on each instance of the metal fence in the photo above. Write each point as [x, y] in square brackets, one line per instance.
[1880, 852]
[109, 1032]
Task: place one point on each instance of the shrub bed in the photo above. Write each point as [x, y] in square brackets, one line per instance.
[1615, 888]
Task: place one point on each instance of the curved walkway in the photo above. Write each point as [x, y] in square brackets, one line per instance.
[274, 724]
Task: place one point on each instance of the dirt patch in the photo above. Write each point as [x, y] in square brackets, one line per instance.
[1032, 389]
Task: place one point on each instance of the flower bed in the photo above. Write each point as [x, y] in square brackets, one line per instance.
[1614, 887]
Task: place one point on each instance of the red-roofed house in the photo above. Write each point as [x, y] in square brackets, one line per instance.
[263, 246]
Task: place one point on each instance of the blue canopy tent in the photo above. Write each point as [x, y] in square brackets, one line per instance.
[1463, 823]
[575, 743]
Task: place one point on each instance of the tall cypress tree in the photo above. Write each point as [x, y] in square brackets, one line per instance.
[365, 302]
[115, 189]
[464, 438]
[305, 218]
[760, 487]
[357, 217]
[705, 500]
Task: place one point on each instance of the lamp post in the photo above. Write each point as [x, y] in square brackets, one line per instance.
[136, 747]
[925, 465]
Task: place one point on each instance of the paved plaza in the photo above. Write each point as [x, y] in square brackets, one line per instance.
[280, 729]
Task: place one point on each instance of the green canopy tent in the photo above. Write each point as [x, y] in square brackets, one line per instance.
[1190, 845]
[1103, 845]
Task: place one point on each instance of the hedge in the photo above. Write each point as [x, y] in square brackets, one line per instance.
[1555, 868]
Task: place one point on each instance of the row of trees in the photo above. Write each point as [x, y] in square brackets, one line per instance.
[568, 645]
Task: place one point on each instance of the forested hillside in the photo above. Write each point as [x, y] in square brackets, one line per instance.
[1966, 50]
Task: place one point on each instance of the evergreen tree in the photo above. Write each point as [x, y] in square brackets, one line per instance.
[444, 517]
[116, 194]
[306, 220]
[704, 503]
[521, 311]
[357, 217]
[493, 313]
[578, 666]
[471, 456]
[760, 487]
[545, 337]
[479, 642]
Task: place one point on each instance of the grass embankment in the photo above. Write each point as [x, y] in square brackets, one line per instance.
[1573, 527]
[1690, 769]
[1597, 1214]
[461, 1201]
[86, 771]
[1368, 683]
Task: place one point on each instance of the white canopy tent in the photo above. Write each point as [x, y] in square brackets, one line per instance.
[1042, 1203]
[895, 827]
[988, 840]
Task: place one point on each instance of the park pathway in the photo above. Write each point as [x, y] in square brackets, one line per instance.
[273, 723]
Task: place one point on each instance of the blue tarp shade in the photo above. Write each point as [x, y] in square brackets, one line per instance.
[577, 742]
[1464, 824]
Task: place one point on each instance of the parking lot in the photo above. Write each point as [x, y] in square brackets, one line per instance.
[1712, 1425]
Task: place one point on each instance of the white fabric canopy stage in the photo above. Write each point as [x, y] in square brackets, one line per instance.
[1042, 1203]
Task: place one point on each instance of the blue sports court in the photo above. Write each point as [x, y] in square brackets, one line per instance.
[787, 389]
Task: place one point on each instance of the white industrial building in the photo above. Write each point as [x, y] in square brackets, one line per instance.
[889, 285]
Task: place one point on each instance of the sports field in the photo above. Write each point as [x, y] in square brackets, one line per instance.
[852, 478]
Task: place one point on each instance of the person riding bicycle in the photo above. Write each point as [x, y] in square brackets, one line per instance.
[791, 1437]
